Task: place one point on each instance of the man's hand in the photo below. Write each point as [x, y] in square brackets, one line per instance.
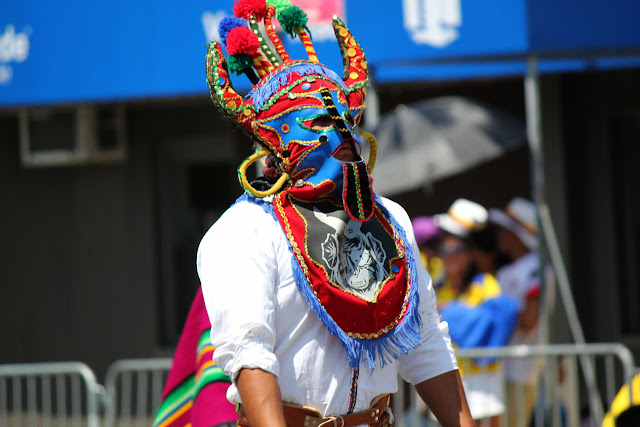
[445, 397]
[261, 398]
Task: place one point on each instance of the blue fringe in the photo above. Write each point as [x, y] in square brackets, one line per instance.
[261, 94]
[401, 340]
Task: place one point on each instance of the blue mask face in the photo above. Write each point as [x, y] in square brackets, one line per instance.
[325, 129]
[316, 131]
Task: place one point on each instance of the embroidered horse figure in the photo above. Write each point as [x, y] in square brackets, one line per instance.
[354, 259]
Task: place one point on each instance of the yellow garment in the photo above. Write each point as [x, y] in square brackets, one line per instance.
[434, 266]
[478, 292]
[482, 288]
[621, 402]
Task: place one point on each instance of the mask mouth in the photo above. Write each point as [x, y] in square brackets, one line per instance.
[347, 152]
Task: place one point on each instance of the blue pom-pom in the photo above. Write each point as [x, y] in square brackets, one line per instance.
[227, 24]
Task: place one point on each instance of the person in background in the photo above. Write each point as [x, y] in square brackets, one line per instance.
[478, 313]
[520, 279]
[428, 237]
[484, 249]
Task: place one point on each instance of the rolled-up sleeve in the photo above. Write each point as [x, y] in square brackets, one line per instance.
[434, 355]
[238, 273]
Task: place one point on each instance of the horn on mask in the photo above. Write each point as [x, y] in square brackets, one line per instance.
[223, 94]
[356, 73]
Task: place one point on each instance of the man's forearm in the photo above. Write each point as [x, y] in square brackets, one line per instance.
[445, 397]
[261, 399]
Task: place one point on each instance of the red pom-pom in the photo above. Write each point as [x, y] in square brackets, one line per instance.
[242, 40]
[246, 8]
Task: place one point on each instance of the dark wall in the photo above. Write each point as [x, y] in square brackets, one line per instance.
[77, 256]
[80, 245]
[604, 220]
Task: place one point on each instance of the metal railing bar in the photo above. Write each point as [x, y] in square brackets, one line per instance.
[156, 387]
[125, 401]
[3, 402]
[45, 397]
[610, 380]
[17, 400]
[141, 379]
[76, 401]
[61, 398]
[32, 402]
[24, 369]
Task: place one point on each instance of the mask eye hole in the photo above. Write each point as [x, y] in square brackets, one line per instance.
[320, 123]
[348, 119]
[323, 122]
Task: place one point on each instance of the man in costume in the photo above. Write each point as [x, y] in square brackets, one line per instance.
[314, 287]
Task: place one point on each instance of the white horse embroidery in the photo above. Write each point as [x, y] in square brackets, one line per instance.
[355, 259]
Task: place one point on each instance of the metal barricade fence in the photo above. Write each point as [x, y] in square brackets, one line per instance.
[67, 394]
[560, 404]
[49, 394]
[134, 389]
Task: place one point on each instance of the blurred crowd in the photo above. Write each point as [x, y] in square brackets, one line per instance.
[485, 271]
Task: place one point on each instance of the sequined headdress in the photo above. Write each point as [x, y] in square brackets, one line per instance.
[288, 93]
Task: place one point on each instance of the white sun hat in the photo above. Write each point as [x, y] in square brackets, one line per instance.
[520, 218]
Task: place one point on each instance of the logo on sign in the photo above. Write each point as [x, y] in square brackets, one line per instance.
[14, 47]
[432, 22]
[210, 24]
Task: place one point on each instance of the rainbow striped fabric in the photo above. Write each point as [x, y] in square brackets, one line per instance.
[195, 391]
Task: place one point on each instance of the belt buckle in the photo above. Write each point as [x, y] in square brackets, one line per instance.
[325, 422]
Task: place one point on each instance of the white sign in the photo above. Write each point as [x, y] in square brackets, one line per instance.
[432, 22]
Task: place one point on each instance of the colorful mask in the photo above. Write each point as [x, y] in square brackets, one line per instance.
[287, 96]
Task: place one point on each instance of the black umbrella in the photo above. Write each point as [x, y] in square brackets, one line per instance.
[423, 142]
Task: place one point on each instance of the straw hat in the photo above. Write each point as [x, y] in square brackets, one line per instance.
[463, 217]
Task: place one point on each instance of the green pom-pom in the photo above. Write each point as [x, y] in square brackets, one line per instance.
[280, 6]
[239, 63]
[293, 19]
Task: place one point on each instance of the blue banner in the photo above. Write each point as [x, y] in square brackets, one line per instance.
[583, 25]
[73, 51]
[79, 51]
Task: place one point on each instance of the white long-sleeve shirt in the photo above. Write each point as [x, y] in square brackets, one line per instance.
[261, 320]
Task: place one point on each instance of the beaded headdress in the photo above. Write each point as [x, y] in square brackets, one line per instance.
[288, 93]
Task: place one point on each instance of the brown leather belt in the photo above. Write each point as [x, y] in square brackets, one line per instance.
[300, 416]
